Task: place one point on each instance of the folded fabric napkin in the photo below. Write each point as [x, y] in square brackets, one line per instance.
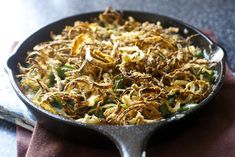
[210, 134]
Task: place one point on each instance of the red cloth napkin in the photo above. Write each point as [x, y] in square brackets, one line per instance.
[210, 134]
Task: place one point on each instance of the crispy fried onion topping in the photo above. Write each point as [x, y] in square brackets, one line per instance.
[116, 71]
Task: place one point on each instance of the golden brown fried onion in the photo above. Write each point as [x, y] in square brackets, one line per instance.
[116, 71]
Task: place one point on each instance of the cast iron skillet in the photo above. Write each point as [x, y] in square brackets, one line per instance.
[130, 140]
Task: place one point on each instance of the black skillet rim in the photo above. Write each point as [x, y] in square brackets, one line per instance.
[74, 123]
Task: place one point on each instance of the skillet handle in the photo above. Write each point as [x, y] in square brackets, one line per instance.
[130, 140]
